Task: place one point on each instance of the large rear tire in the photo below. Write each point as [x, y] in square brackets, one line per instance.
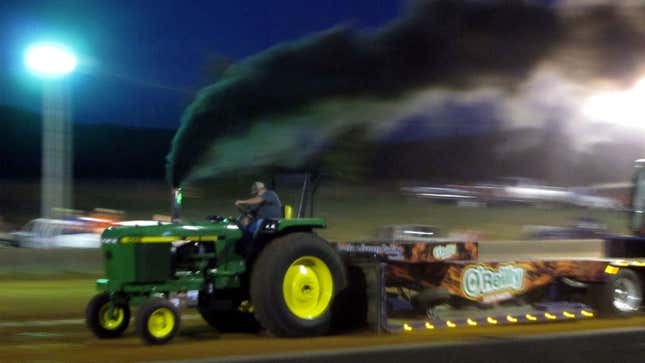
[294, 283]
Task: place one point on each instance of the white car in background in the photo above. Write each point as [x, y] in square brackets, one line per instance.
[406, 232]
[62, 233]
[56, 233]
[596, 202]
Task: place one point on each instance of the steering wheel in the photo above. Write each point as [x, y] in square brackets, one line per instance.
[215, 218]
[245, 211]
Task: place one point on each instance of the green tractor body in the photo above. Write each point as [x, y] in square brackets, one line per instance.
[148, 265]
[146, 259]
[141, 259]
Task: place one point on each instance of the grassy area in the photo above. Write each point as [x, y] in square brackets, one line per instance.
[37, 284]
[24, 263]
[353, 211]
[51, 298]
[354, 216]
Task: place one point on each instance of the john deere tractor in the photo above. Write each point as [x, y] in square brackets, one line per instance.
[283, 278]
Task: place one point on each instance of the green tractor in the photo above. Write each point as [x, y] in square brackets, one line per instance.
[284, 278]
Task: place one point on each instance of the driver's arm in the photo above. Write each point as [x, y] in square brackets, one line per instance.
[252, 201]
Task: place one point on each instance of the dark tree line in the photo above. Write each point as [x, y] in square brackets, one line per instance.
[100, 151]
[111, 151]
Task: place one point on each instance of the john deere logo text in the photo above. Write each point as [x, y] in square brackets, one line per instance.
[479, 281]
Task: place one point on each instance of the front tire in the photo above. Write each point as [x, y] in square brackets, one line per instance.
[157, 321]
[294, 283]
[103, 324]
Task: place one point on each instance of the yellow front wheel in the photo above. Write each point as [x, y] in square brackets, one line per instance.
[105, 318]
[111, 320]
[157, 321]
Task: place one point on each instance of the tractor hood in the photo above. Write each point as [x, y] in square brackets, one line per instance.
[200, 231]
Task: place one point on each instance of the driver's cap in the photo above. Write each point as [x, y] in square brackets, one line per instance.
[255, 188]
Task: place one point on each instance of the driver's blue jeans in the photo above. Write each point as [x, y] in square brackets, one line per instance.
[250, 230]
[254, 226]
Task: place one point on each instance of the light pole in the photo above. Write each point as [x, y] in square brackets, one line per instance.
[51, 62]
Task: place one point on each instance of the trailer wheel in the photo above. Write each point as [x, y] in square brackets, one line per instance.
[157, 321]
[620, 295]
[294, 283]
[103, 323]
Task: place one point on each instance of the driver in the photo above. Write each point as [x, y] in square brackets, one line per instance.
[265, 205]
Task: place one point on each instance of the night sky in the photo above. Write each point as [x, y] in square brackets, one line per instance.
[142, 61]
[310, 72]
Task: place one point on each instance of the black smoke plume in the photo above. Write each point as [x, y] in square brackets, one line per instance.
[283, 105]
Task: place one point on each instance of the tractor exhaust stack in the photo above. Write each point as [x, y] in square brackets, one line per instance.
[176, 202]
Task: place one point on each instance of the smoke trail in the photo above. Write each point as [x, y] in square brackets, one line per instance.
[283, 105]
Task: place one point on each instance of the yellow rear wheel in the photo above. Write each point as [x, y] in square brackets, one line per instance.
[308, 287]
[294, 283]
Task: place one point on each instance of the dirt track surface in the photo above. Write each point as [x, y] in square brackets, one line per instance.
[72, 342]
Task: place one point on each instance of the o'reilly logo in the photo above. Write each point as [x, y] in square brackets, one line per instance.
[479, 280]
[444, 252]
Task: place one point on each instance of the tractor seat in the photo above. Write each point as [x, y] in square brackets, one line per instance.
[247, 245]
[287, 211]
